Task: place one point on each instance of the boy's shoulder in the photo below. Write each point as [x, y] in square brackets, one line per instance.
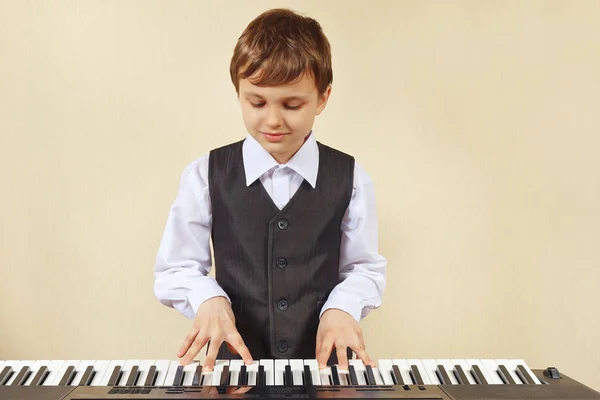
[228, 146]
[334, 151]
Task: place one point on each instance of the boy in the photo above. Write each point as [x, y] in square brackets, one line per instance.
[292, 221]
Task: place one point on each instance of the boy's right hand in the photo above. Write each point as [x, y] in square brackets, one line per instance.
[214, 322]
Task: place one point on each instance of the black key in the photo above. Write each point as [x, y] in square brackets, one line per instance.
[87, 376]
[151, 378]
[396, 376]
[505, 375]
[243, 378]
[440, 377]
[460, 375]
[133, 376]
[353, 377]
[370, 376]
[115, 377]
[307, 376]
[178, 379]
[415, 375]
[525, 377]
[68, 376]
[478, 375]
[261, 380]
[446, 379]
[21, 376]
[224, 376]
[288, 380]
[40, 376]
[334, 375]
[5, 375]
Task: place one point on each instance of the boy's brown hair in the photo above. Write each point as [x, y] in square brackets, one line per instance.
[282, 45]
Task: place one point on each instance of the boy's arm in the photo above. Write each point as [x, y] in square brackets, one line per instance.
[184, 260]
[362, 268]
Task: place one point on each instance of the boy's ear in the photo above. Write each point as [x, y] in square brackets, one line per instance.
[322, 102]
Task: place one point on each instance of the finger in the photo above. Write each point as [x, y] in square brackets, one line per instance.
[361, 353]
[238, 344]
[231, 348]
[197, 345]
[342, 356]
[324, 352]
[211, 355]
[189, 339]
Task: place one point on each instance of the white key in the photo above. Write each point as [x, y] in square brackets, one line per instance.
[466, 369]
[269, 371]
[218, 370]
[13, 364]
[297, 367]
[34, 370]
[421, 368]
[279, 371]
[360, 369]
[449, 367]
[17, 368]
[235, 367]
[343, 375]
[144, 368]
[252, 371]
[53, 368]
[492, 369]
[80, 370]
[510, 368]
[126, 371]
[377, 374]
[188, 373]
[484, 371]
[61, 372]
[314, 371]
[100, 368]
[430, 366]
[325, 374]
[517, 362]
[385, 368]
[404, 369]
[171, 373]
[162, 368]
[109, 371]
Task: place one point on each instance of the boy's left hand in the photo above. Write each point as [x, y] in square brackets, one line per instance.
[339, 330]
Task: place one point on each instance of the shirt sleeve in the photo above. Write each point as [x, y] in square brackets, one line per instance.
[362, 268]
[184, 260]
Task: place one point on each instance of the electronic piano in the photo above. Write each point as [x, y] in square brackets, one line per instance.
[441, 379]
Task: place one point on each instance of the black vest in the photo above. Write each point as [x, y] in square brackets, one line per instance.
[277, 266]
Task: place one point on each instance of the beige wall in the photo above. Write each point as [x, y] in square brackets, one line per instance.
[477, 120]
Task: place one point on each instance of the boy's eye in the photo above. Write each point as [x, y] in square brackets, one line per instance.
[260, 105]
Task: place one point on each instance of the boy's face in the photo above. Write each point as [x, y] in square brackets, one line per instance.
[281, 117]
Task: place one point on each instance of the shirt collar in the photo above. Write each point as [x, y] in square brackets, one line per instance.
[257, 160]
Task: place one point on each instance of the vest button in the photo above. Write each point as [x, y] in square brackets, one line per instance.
[282, 262]
[282, 346]
[282, 305]
[283, 224]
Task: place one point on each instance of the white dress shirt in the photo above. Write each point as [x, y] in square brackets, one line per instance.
[184, 257]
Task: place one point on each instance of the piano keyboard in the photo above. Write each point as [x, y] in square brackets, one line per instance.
[391, 378]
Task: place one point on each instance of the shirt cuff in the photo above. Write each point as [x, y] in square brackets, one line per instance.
[344, 302]
[209, 290]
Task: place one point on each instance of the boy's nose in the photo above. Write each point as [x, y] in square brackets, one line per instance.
[274, 119]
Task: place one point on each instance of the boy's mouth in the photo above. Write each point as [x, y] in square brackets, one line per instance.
[274, 137]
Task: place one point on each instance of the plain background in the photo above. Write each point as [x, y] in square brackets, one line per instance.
[478, 122]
